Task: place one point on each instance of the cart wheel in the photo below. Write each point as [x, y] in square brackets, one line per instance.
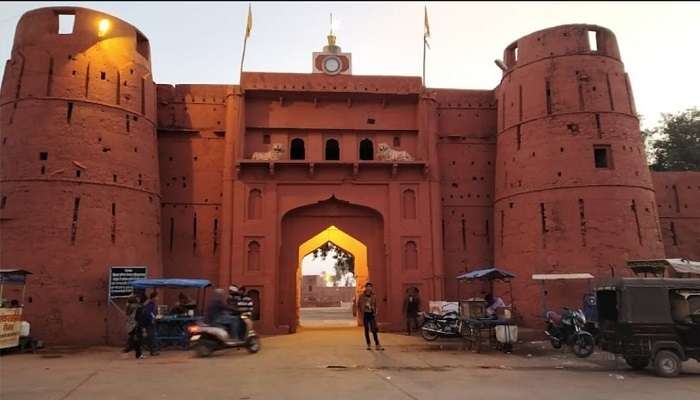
[637, 363]
[667, 364]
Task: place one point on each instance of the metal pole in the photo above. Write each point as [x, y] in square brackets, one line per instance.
[424, 44]
[240, 72]
[544, 299]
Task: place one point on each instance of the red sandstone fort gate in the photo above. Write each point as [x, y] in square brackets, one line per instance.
[102, 167]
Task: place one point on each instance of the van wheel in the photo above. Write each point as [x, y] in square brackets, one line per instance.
[637, 363]
[667, 364]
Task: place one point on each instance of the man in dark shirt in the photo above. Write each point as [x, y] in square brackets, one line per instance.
[367, 306]
[411, 306]
[218, 312]
[149, 321]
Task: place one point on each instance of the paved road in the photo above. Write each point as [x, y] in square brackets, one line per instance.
[333, 363]
[327, 317]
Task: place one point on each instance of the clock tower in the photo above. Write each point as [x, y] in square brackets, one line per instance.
[332, 61]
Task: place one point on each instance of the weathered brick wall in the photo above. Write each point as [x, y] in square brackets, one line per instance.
[467, 154]
[79, 175]
[678, 201]
[191, 121]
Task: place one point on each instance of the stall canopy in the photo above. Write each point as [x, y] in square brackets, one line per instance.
[559, 277]
[13, 275]
[659, 266]
[169, 283]
[485, 274]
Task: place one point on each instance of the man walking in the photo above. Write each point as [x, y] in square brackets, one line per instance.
[150, 311]
[411, 306]
[367, 307]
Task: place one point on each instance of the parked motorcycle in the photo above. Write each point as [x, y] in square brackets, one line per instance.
[568, 329]
[447, 325]
[206, 338]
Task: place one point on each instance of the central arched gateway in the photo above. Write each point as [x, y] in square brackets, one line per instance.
[357, 229]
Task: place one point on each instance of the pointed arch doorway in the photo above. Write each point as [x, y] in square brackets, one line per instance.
[356, 229]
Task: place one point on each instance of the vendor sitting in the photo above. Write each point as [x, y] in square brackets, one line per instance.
[183, 305]
[492, 305]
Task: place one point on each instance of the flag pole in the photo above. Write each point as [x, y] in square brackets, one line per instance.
[240, 72]
[426, 35]
[424, 43]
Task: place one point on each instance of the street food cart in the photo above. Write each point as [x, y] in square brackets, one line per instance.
[499, 331]
[171, 325]
[13, 331]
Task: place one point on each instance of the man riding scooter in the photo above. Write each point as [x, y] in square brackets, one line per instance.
[227, 324]
[219, 313]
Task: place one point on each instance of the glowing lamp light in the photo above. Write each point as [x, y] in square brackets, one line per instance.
[103, 27]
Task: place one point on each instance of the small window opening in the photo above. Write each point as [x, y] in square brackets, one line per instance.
[3, 202]
[103, 75]
[397, 141]
[593, 40]
[602, 156]
[297, 151]
[332, 150]
[77, 173]
[370, 121]
[43, 156]
[266, 139]
[66, 22]
[69, 113]
[366, 150]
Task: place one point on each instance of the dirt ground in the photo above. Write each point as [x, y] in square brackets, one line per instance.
[333, 364]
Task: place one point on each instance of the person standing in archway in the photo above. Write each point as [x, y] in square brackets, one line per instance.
[411, 307]
[367, 307]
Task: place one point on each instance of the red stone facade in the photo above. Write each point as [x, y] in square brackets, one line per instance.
[101, 167]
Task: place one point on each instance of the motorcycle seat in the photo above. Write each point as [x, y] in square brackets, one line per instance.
[554, 317]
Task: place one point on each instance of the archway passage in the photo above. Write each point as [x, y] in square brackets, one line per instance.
[356, 229]
[329, 277]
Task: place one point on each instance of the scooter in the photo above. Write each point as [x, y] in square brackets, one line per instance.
[205, 339]
[568, 329]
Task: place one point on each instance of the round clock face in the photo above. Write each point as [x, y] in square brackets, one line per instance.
[331, 65]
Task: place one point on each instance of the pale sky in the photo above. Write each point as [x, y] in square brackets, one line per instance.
[201, 42]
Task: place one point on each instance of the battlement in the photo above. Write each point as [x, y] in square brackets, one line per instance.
[86, 28]
[558, 41]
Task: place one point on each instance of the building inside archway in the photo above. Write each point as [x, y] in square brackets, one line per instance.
[328, 287]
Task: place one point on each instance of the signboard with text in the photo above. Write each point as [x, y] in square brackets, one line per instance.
[119, 278]
[10, 326]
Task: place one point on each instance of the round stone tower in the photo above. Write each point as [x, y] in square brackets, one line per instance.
[79, 175]
[573, 192]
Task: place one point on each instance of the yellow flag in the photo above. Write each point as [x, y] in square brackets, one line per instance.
[426, 31]
[249, 25]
